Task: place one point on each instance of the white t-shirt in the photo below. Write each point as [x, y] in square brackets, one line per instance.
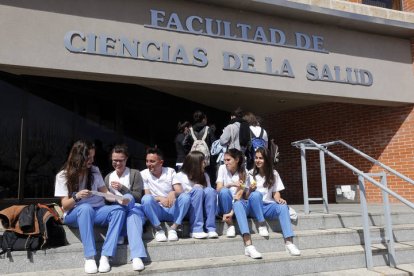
[61, 188]
[186, 183]
[267, 194]
[124, 180]
[159, 186]
[224, 176]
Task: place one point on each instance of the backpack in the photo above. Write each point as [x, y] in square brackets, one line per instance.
[31, 227]
[201, 145]
[255, 143]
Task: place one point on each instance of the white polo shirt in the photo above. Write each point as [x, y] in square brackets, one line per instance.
[267, 194]
[187, 184]
[224, 176]
[159, 186]
[124, 180]
[61, 188]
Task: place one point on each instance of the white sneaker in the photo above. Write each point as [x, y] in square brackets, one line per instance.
[293, 215]
[172, 235]
[104, 264]
[137, 264]
[212, 235]
[263, 231]
[160, 236]
[121, 240]
[231, 232]
[199, 235]
[90, 266]
[252, 252]
[292, 249]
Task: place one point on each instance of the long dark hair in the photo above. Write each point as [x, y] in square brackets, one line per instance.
[241, 167]
[75, 166]
[267, 168]
[192, 167]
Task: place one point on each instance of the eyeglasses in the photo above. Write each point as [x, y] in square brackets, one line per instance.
[118, 160]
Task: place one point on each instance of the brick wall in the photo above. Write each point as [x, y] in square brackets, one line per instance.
[385, 133]
[408, 5]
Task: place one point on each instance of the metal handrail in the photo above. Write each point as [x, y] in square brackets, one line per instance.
[369, 158]
[309, 142]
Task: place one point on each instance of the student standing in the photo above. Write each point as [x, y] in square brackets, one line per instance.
[237, 133]
[75, 184]
[128, 182]
[183, 130]
[199, 128]
[267, 184]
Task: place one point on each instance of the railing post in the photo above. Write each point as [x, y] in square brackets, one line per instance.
[388, 223]
[323, 180]
[365, 223]
[304, 178]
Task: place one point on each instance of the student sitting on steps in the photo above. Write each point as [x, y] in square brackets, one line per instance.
[75, 185]
[232, 180]
[195, 182]
[265, 184]
[127, 182]
[163, 199]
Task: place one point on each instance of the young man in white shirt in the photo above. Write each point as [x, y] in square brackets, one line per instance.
[162, 201]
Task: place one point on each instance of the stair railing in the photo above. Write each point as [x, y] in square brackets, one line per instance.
[311, 145]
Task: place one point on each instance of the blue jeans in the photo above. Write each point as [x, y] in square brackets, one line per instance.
[203, 203]
[84, 217]
[272, 211]
[157, 213]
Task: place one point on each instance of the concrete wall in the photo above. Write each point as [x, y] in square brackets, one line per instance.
[32, 35]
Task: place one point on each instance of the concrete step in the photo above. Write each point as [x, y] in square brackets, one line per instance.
[339, 229]
[273, 263]
[313, 221]
[400, 270]
[187, 248]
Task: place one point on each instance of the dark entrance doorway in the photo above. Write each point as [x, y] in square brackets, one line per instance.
[41, 117]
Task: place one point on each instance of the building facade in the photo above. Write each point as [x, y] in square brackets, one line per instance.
[129, 71]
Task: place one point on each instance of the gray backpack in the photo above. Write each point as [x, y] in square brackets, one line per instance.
[201, 145]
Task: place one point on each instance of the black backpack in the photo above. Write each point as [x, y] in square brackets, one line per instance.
[38, 226]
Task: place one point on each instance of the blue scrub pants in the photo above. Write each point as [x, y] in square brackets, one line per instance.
[242, 208]
[135, 219]
[272, 211]
[85, 216]
[157, 213]
[203, 202]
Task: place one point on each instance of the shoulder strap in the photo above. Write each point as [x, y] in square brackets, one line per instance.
[252, 134]
[192, 134]
[52, 212]
[205, 133]
[261, 133]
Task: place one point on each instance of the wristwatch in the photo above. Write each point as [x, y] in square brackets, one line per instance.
[75, 198]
